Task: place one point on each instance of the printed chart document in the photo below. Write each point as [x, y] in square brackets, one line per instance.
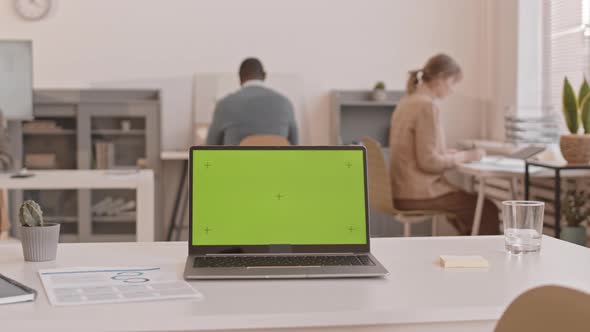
[92, 285]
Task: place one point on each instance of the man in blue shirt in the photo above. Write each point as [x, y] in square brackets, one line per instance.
[255, 109]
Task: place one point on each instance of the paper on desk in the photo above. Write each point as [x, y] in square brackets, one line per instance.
[490, 163]
[92, 285]
[455, 261]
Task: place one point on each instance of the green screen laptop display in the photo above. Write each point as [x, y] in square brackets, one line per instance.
[264, 197]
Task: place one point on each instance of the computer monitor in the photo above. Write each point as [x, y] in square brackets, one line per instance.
[16, 79]
[293, 196]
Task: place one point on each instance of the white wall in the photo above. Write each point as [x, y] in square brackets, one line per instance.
[331, 44]
[501, 19]
[515, 79]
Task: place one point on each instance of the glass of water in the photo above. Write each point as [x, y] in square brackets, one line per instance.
[523, 226]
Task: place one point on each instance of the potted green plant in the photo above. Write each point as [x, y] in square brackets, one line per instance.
[576, 211]
[39, 239]
[575, 147]
[378, 93]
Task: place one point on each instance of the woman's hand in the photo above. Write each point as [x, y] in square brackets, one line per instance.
[469, 156]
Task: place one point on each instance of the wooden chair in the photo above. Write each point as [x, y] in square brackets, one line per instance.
[381, 191]
[547, 309]
[4, 221]
[264, 140]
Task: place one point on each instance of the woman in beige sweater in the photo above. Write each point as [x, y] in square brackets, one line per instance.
[420, 157]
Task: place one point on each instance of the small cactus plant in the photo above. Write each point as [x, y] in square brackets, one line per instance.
[379, 86]
[30, 214]
[576, 109]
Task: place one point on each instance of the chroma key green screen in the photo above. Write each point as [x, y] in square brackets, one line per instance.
[262, 197]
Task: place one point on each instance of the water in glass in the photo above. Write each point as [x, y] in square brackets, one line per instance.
[523, 226]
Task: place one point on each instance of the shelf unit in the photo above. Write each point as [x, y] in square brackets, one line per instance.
[49, 132]
[116, 132]
[355, 115]
[129, 119]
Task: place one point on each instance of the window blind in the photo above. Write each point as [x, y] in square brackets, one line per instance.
[569, 52]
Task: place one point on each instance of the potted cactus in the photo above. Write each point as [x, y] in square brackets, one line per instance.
[378, 93]
[575, 147]
[39, 239]
[576, 211]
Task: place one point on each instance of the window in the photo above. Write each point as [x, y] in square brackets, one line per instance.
[569, 45]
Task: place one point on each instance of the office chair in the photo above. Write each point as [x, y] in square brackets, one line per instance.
[264, 140]
[547, 309]
[381, 192]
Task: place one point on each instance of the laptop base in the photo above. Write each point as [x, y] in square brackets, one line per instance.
[283, 272]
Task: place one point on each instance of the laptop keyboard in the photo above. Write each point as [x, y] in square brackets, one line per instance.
[278, 261]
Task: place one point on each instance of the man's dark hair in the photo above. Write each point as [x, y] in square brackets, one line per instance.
[251, 69]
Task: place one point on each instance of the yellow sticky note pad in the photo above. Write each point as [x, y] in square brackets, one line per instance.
[454, 261]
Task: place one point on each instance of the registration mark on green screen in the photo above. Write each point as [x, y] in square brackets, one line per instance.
[263, 197]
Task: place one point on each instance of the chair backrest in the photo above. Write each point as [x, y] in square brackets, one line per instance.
[264, 140]
[547, 309]
[4, 219]
[380, 196]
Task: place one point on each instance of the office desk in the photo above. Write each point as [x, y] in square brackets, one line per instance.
[482, 172]
[418, 295]
[511, 171]
[181, 198]
[142, 181]
[559, 170]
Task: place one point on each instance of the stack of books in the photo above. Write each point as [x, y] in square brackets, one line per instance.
[113, 207]
[105, 155]
[532, 129]
[41, 160]
[41, 125]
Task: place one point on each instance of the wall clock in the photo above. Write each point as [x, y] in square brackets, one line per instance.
[33, 10]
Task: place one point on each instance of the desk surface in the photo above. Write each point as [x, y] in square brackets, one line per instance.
[77, 179]
[512, 169]
[559, 165]
[140, 180]
[174, 155]
[417, 291]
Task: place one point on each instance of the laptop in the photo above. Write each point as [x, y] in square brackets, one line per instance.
[279, 212]
[527, 152]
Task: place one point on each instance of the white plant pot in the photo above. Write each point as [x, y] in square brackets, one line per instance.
[379, 95]
[40, 243]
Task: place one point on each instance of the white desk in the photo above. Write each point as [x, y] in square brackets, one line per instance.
[418, 295]
[174, 155]
[180, 205]
[511, 172]
[483, 172]
[142, 181]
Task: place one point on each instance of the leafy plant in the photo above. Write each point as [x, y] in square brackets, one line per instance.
[576, 208]
[570, 107]
[576, 109]
[30, 214]
[379, 86]
[584, 89]
[584, 101]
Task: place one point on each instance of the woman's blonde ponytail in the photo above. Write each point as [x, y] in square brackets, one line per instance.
[413, 81]
[438, 66]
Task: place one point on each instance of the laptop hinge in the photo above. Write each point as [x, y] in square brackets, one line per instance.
[283, 254]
